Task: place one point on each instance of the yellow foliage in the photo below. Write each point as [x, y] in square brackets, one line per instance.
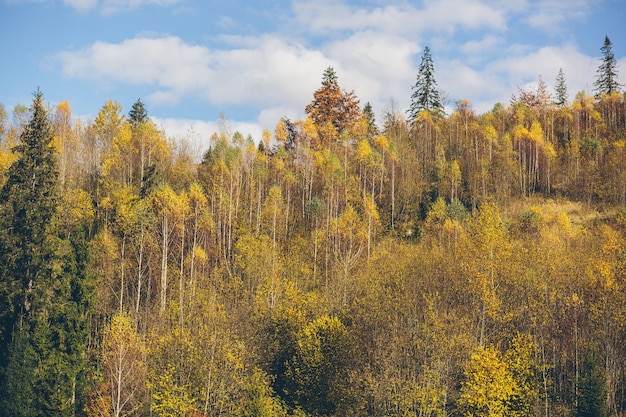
[364, 151]
[7, 157]
[519, 132]
[266, 137]
[359, 128]
[549, 151]
[488, 385]
[76, 208]
[123, 354]
[491, 134]
[536, 132]
[425, 117]
[349, 226]
[113, 161]
[280, 132]
[169, 399]
[382, 142]
[310, 130]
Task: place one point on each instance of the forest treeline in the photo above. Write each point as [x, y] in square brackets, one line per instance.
[462, 264]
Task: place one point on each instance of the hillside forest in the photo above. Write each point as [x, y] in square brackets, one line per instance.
[432, 263]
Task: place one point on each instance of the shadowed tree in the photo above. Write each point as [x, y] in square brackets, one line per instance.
[591, 399]
[44, 296]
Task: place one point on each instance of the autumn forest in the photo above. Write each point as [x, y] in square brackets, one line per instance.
[432, 263]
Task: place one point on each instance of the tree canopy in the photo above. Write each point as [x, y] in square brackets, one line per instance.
[464, 264]
[333, 106]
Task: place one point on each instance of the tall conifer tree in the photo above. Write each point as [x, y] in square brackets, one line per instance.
[591, 400]
[368, 113]
[561, 89]
[606, 74]
[43, 296]
[138, 113]
[425, 93]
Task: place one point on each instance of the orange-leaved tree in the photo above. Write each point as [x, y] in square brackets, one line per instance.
[332, 105]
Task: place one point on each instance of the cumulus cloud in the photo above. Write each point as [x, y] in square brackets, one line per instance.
[578, 68]
[518, 67]
[375, 65]
[436, 16]
[476, 50]
[549, 15]
[266, 71]
[262, 71]
[166, 62]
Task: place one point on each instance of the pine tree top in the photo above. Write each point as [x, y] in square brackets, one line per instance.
[425, 92]
[606, 74]
[329, 77]
[561, 89]
[138, 113]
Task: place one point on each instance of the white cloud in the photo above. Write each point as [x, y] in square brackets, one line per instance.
[265, 71]
[269, 117]
[269, 73]
[375, 65]
[549, 15]
[578, 68]
[167, 62]
[476, 50]
[520, 67]
[326, 16]
[472, 14]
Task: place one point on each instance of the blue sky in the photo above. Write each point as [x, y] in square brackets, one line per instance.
[256, 61]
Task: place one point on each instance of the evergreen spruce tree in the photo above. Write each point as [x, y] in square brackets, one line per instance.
[138, 113]
[606, 74]
[290, 143]
[43, 295]
[591, 401]
[368, 113]
[560, 89]
[425, 93]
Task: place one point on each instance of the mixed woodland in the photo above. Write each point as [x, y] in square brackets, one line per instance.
[432, 263]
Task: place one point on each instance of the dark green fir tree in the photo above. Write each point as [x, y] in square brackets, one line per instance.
[591, 400]
[560, 89]
[425, 92]
[368, 114]
[138, 114]
[44, 296]
[606, 74]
